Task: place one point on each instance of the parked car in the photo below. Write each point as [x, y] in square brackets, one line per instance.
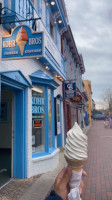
[99, 117]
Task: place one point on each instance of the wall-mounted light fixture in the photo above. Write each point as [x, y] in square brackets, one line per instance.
[36, 89]
[60, 21]
[55, 74]
[52, 3]
[61, 79]
[47, 67]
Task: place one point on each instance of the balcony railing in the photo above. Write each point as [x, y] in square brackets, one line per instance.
[25, 10]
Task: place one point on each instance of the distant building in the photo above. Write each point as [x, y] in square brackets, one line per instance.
[74, 68]
[87, 87]
[93, 104]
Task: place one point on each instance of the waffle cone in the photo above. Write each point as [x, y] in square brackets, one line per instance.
[76, 165]
[21, 45]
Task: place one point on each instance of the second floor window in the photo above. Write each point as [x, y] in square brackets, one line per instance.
[52, 29]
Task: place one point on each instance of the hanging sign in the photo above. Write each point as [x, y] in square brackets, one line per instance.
[77, 99]
[70, 89]
[22, 43]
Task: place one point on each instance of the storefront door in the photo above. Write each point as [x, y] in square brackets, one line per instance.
[6, 130]
[68, 118]
[13, 123]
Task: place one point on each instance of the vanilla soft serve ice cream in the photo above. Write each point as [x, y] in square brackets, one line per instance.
[76, 147]
[76, 144]
[75, 155]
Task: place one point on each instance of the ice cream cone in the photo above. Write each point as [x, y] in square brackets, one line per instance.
[21, 39]
[21, 45]
[75, 154]
[76, 165]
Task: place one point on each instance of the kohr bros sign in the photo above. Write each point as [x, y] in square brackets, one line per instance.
[22, 43]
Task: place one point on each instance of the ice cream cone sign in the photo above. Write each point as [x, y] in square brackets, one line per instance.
[21, 39]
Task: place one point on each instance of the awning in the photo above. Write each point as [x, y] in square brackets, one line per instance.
[43, 78]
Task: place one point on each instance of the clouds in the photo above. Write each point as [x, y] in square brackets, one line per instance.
[91, 24]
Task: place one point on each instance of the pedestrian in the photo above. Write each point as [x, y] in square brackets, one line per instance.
[106, 123]
[61, 187]
[110, 122]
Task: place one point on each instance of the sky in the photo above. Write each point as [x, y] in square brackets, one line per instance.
[91, 24]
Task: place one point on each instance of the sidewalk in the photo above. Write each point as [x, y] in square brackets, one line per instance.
[86, 128]
[98, 182]
[37, 187]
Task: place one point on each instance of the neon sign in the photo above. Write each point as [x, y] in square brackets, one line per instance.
[77, 99]
[38, 105]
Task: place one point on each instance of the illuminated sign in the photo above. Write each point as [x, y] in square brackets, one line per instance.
[70, 89]
[37, 101]
[37, 123]
[77, 99]
[22, 43]
[37, 109]
[38, 105]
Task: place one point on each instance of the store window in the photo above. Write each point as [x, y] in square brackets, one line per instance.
[42, 121]
[52, 30]
[58, 117]
[38, 119]
[50, 118]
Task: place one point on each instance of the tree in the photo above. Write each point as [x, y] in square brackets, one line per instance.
[107, 97]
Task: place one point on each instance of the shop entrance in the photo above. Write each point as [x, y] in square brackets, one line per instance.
[13, 125]
[68, 117]
[6, 139]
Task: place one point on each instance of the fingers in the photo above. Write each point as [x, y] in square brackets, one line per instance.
[66, 176]
[84, 173]
[60, 175]
[80, 190]
[81, 186]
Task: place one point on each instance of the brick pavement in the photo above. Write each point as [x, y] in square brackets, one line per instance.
[98, 182]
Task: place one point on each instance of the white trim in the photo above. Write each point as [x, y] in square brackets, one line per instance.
[46, 157]
[5, 183]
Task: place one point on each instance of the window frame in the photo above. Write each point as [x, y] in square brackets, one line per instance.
[53, 34]
[47, 149]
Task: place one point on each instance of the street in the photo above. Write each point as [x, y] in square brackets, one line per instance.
[98, 182]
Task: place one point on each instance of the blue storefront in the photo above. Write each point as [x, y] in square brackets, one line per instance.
[32, 69]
